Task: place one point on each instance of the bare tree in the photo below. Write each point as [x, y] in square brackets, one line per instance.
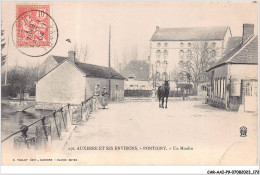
[197, 60]
[82, 52]
[133, 52]
[116, 62]
[129, 54]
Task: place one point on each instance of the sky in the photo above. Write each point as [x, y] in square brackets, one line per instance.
[132, 25]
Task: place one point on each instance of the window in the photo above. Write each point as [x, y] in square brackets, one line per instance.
[158, 44]
[165, 65]
[189, 44]
[158, 63]
[213, 44]
[165, 44]
[224, 87]
[220, 88]
[248, 89]
[181, 53]
[136, 87]
[165, 53]
[214, 87]
[189, 53]
[143, 87]
[181, 44]
[116, 87]
[131, 87]
[158, 53]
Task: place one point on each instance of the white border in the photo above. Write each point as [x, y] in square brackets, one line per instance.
[126, 169]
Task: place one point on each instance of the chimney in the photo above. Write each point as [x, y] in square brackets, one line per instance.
[248, 32]
[157, 28]
[71, 56]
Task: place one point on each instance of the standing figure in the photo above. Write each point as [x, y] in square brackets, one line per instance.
[183, 94]
[96, 97]
[153, 94]
[104, 98]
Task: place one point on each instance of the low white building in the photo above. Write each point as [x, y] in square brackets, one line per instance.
[73, 82]
[233, 80]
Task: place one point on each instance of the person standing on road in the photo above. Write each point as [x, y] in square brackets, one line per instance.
[96, 97]
[104, 98]
[183, 94]
[153, 94]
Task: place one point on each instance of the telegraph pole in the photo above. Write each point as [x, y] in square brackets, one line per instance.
[109, 73]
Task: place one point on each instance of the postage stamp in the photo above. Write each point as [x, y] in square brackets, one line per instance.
[34, 32]
[33, 25]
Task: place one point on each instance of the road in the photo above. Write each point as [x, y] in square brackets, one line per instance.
[188, 133]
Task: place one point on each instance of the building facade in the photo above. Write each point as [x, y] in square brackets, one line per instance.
[137, 77]
[73, 82]
[169, 45]
[233, 80]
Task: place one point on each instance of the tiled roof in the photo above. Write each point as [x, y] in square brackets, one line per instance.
[139, 69]
[91, 69]
[98, 71]
[59, 59]
[232, 43]
[243, 54]
[190, 34]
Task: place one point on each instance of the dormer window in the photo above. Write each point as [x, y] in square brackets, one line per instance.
[158, 44]
[181, 44]
[189, 44]
[165, 44]
[213, 44]
[132, 76]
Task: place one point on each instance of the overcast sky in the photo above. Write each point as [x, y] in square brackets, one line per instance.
[132, 23]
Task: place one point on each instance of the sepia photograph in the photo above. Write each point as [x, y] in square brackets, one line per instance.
[129, 83]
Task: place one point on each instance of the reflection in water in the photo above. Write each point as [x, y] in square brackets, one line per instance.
[12, 120]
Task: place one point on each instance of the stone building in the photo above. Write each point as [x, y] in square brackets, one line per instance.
[169, 45]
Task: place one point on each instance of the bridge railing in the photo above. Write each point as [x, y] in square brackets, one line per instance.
[53, 126]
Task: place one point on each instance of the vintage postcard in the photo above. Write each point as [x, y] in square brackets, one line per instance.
[129, 83]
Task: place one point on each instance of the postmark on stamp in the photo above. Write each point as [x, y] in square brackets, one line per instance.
[35, 32]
